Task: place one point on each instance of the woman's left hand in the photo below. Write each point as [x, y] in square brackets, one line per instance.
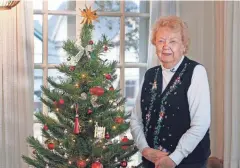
[165, 162]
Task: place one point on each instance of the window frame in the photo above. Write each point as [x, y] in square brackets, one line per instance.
[122, 65]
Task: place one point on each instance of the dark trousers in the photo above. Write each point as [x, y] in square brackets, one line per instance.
[148, 164]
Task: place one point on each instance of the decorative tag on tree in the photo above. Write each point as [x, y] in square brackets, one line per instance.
[99, 132]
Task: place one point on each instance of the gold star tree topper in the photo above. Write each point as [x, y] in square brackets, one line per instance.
[88, 15]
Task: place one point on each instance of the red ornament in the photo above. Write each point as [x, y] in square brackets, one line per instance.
[108, 76]
[81, 164]
[34, 152]
[124, 163]
[90, 42]
[124, 140]
[89, 111]
[119, 120]
[72, 68]
[76, 125]
[61, 101]
[105, 48]
[45, 127]
[97, 164]
[97, 91]
[107, 136]
[51, 146]
[111, 88]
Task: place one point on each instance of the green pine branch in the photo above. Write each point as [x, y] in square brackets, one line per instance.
[33, 162]
[86, 34]
[70, 47]
[65, 86]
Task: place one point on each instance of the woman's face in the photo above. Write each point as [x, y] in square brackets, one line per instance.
[169, 47]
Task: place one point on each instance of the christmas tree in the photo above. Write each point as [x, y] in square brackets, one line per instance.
[89, 111]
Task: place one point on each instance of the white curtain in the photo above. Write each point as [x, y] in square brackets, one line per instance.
[16, 84]
[215, 42]
[157, 9]
[231, 82]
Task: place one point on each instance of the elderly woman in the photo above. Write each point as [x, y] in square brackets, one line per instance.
[171, 124]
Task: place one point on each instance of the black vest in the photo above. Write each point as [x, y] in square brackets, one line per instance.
[166, 116]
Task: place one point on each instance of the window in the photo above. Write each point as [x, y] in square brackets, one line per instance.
[125, 23]
[130, 88]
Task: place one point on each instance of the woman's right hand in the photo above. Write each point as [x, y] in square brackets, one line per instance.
[153, 154]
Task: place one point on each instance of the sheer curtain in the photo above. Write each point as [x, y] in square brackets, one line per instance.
[215, 33]
[16, 84]
[231, 85]
[157, 9]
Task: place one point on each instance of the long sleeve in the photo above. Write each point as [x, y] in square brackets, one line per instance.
[136, 124]
[199, 106]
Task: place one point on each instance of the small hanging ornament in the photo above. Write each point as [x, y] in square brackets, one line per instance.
[71, 68]
[119, 120]
[95, 105]
[45, 127]
[94, 98]
[105, 48]
[93, 101]
[97, 164]
[114, 127]
[46, 166]
[90, 42]
[51, 145]
[76, 123]
[81, 164]
[69, 58]
[83, 96]
[99, 132]
[61, 101]
[116, 160]
[77, 85]
[34, 152]
[124, 163]
[98, 91]
[89, 111]
[111, 88]
[107, 136]
[83, 76]
[154, 86]
[108, 76]
[124, 140]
